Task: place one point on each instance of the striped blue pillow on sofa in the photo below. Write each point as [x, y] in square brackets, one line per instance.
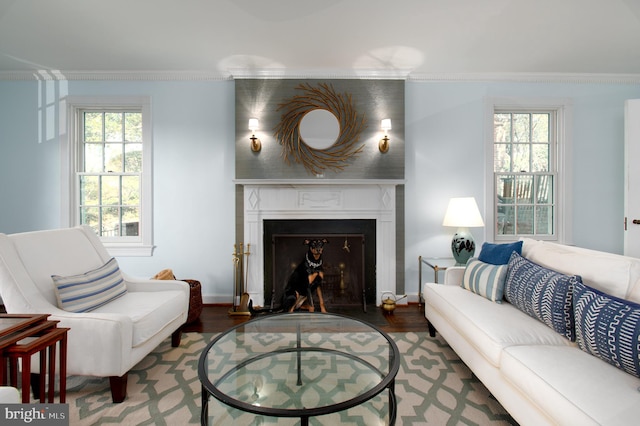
[485, 279]
[88, 291]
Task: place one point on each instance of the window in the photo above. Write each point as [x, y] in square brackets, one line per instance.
[528, 183]
[110, 179]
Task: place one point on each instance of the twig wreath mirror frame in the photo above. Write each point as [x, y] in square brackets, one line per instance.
[317, 161]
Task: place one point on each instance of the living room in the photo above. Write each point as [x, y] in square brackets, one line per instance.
[453, 61]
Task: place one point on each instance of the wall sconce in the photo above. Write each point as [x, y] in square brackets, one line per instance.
[256, 145]
[383, 145]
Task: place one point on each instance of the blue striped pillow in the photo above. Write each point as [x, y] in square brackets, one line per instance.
[485, 279]
[608, 327]
[88, 291]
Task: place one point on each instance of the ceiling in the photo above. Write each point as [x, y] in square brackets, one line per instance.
[234, 38]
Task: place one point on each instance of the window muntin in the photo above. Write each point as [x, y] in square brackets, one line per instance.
[525, 174]
[101, 158]
[110, 171]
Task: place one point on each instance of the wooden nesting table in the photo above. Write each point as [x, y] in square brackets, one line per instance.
[22, 336]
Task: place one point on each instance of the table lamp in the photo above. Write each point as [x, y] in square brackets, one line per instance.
[463, 213]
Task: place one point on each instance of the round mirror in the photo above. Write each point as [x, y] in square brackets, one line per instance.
[319, 129]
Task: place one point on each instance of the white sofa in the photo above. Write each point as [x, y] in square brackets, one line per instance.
[539, 376]
[109, 340]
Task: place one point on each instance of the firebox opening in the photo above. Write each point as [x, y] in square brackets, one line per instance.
[348, 258]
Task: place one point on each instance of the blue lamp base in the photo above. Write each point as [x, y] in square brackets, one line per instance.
[462, 246]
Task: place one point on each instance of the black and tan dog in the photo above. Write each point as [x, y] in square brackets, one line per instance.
[306, 278]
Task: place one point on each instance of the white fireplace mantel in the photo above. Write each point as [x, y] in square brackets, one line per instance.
[320, 199]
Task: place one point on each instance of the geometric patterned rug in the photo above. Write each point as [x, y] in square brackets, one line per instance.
[432, 387]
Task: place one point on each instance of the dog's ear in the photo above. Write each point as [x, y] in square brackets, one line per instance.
[307, 242]
[325, 241]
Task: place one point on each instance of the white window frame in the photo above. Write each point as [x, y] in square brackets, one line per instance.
[562, 158]
[70, 140]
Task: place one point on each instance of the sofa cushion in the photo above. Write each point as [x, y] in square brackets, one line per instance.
[90, 290]
[541, 293]
[149, 311]
[489, 327]
[573, 387]
[499, 254]
[485, 279]
[608, 327]
[611, 273]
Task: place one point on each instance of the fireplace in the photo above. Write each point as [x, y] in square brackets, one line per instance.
[333, 206]
[348, 258]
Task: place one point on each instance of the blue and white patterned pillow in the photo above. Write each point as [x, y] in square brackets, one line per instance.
[485, 279]
[541, 293]
[88, 291]
[608, 328]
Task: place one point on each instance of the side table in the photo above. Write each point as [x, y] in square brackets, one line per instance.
[437, 264]
[15, 327]
[22, 336]
[40, 342]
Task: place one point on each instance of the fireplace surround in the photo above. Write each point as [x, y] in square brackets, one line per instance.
[265, 200]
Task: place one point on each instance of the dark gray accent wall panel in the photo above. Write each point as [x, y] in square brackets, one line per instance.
[371, 99]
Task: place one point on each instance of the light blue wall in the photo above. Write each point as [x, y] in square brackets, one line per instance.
[193, 145]
[193, 134]
[29, 166]
[445, 127]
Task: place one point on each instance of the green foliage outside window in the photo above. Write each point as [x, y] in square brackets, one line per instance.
[524, 179]
[111, 167]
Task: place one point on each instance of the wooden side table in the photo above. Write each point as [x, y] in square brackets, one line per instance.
[21, 336]
[40, 342]
[14, 328]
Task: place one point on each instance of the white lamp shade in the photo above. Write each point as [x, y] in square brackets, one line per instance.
[385, 124]
[254, 124]
[463, 213]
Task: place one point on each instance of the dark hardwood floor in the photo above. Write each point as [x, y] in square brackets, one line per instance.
[405, 318]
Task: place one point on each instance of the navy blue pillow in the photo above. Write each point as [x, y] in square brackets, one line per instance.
[499, 254]
[542, 293]
[608, 327]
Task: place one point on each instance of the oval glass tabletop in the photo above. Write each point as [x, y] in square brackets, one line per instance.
[299, 365]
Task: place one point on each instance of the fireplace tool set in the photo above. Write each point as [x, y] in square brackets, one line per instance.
[240, 279]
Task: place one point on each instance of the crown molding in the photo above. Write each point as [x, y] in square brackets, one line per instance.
[114, 75]
[319, 181]
[577, 78]
[363, 74]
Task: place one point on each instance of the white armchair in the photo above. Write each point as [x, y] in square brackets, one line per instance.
[109, 340]
[9, 395]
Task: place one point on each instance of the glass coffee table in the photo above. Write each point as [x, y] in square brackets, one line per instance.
[302, 365]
